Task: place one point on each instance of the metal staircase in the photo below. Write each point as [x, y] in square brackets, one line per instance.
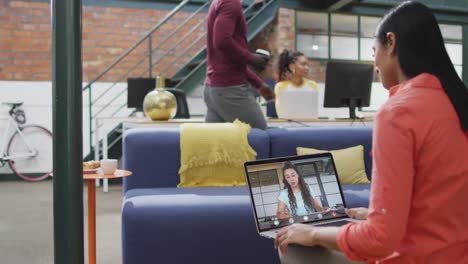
[184, 60]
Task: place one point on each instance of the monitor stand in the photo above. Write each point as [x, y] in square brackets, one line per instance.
[352, 103]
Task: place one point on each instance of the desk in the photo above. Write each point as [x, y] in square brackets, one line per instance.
[91, 178]
[277, 122]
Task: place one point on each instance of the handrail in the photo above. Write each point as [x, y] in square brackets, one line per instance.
[182, 53]
[194, 28]
[121, 57]
[177, 29]
[265, 4]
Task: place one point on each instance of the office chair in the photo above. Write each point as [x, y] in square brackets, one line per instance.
[271, 107]
[182, 106]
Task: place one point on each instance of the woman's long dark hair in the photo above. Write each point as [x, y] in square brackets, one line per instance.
[420, 49]
[306, 197]
[285, 58]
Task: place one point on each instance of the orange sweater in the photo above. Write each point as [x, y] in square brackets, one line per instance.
[418, 209]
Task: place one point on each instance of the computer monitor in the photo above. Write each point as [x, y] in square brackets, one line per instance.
[348, 85]
[136, 91]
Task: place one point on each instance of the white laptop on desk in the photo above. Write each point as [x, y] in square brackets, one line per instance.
[266, 187]
[298, 104]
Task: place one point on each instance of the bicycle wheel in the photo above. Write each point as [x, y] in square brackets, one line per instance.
[33, 168]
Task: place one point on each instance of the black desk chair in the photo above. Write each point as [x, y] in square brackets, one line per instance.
[270, 107]
[182, 106]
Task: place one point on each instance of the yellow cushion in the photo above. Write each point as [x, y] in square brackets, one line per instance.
[349, 163]
[212, 155]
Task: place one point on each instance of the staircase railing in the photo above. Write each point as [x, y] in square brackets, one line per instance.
[154, 55]
[134, 70]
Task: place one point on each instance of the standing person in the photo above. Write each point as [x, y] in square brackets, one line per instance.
[228, 90]
[296, 199]
[419, 182]
[293, 68]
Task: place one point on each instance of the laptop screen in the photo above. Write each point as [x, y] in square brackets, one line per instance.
[295, 189]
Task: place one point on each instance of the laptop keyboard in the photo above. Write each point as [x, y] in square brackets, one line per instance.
[337, 223]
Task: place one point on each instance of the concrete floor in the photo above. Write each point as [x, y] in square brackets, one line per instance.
[26, 223]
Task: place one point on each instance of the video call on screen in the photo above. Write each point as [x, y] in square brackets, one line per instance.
[266, 181]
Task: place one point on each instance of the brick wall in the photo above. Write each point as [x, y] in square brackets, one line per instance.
[25, 41]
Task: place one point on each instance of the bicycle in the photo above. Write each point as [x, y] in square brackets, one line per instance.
[28, 150]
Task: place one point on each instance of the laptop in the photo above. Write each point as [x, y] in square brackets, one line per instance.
[298, 104]
[268, 193]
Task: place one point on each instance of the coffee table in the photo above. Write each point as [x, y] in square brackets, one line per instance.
[91, 178]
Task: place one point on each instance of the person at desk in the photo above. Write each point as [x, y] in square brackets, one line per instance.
[293, 68]
[296, 199]
[228, 92]
[419, 184]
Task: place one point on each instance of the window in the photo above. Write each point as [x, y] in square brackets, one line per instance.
[312, 34]
[366, 37]
[307, 170]
[344, 37]
[452, 35]
[313, 46]
[265, 189]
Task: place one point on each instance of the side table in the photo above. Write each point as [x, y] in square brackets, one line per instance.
[91, 178]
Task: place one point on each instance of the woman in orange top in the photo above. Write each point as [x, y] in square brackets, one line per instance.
[418, 211]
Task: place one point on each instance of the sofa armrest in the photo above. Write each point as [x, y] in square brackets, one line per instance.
[153, 155]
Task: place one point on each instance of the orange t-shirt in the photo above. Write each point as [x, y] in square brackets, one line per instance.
[418, 210]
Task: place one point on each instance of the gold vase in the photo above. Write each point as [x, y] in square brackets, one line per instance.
[160, 104]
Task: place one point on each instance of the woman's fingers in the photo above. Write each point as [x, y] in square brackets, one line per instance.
[357, 213]
[284, 247]
[282, 241]
[280, 236]
[350, 212]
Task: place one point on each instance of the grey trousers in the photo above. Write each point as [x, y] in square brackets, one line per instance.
[312, 255]
[225, 104]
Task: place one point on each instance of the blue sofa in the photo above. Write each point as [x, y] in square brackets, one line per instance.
[164, 224]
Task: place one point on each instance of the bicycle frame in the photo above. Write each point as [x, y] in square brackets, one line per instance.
[12, 124]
